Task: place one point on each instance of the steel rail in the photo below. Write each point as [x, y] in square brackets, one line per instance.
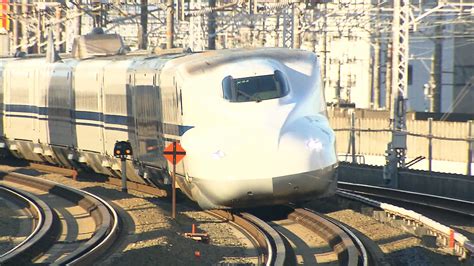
[343, 245]
[463, 246]
[269, 242]
[104, 237]
[448, 204]
[364, 257]
[43, 229]
[104, 215]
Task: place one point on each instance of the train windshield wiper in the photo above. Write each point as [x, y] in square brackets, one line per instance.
[251, 97]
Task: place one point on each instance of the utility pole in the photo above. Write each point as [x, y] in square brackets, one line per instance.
[181, 13]
[78, 20]
[58, 28]
[388, 78]
[211, 27]
[435, 104]
[296, 26]
[24, 30]
[16, 36]
[39, 32]
[169, 24]
[143, 38]
[376, 63]
[376, 73]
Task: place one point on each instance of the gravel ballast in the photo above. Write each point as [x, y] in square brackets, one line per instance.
[150, 237]
[399, 247]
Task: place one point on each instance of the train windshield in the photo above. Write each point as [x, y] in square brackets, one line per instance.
[256, 88]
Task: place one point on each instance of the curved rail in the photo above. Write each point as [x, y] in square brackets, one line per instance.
[269, 242]
[363, 255]
[103, 214]
[349, 249]
[462, 245]
[42, 234]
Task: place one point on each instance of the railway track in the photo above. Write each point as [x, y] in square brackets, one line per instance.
[445, 236]
[74, 226]
[266, 244]
[273, 249]
[271, 238]
[431, 201]
[41, 224]
[313, 238]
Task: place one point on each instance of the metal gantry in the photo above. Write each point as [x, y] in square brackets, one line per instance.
[396, 149]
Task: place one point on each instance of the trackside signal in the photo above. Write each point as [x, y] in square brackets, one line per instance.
[122, 149]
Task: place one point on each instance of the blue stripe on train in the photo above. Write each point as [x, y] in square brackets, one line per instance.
[29, 111]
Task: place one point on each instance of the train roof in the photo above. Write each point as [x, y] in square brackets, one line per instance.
[192, 63]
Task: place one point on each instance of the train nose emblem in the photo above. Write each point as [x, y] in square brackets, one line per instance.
[218, 155]
[314, 145]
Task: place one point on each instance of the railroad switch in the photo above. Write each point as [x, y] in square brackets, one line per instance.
[201, 237]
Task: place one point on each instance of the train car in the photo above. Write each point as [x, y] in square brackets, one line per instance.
[253, 121]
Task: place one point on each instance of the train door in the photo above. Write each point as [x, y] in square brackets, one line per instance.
[59, 102]
[19, 111]
[146, 99]
[88, 83]
[117, 126]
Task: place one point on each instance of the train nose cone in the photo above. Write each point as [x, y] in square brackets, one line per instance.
[249, 167]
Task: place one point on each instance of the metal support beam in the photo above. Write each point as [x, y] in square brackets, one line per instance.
[169, 24]
[143, 33]
[296, 26]
[211, 27]
[435, 105]
[288, 15]
[396, 153]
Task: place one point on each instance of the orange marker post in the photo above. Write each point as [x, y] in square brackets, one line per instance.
[174, 153]
[451, 238]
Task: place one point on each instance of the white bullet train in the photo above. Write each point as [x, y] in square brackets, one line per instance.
[253, 121]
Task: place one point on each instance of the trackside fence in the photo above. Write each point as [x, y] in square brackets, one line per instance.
[361, 135]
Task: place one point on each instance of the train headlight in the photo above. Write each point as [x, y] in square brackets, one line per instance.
[217, 155]
[314, 145]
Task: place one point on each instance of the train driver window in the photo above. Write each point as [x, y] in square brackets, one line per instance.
[257, 88]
